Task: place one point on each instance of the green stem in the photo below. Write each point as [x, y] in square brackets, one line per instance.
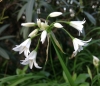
[52, 65]
[59, 54]
[68, 33]
[37, 45]
[98, 75]
[47, 18]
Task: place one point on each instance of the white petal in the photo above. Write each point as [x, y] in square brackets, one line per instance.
[26, 43]
[36, 65]
[29, 24]
[95, 58]
[17, 48]
[31, 63]
[26, 52]
[58, 25]
[33, 55]
[55, 14]
[39, 22]
[43, 36]
[76, 25]
[80, 42]
[25, 62]
[88, 40]
[76, 46]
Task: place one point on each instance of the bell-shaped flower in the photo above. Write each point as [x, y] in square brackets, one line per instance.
[55, 14]
[77, 25]
[33, 33]
[78, 45]
[30, 60]
[29, 24]
[43, 36]
[23, 47]
[58, 25]
[96, 61]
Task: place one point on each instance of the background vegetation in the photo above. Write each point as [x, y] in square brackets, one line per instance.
[81, 68]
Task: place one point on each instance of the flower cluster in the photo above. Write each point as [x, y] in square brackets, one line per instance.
[46, 30]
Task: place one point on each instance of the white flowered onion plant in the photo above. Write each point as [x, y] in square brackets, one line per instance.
[45, 28]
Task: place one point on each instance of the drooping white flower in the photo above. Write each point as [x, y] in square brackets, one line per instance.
[29, 24]
[58, 25]
[43, 36]
[23, 47]
[78, 45]
[30, 60]
[95, 61]
[77, 25]
[33, 33]
[55, 14]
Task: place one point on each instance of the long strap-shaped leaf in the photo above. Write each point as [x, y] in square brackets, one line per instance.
[59, 54]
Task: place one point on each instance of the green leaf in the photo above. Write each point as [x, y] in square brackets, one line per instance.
[29, 10]
[6, 37]
[48, 7]
[90, 17]
[65, 2]
[60, 54]
[81, 78]
[17, 79]
[56, 42]
[89, 72]
[84, 84]
[74, 76]
[21, 12]
[65, 77]
[24, 31]
[3, 53]
[3, 28]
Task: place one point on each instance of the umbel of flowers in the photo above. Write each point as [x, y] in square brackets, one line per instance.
[46, 30]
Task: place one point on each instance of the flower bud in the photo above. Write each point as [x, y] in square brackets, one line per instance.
[29, 24]
[58, 25]
[95, 61]
[33, 33]
[55, 14]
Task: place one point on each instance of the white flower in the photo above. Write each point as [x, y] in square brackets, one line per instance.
[58, 25]
[39, 22]
[43, 36]
[30, 60]
[78, 45]
[42, 25]
[55, 14]
[23, 47]
[95, 61]
[29, 24]
[78, 25]
[33, 33]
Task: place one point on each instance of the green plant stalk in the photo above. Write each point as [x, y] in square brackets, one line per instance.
[71, 82]
[68, 33]
[37, 45]
[52, 65]
[98, 75]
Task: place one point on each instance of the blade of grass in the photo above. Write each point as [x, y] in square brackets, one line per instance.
[59, 54]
